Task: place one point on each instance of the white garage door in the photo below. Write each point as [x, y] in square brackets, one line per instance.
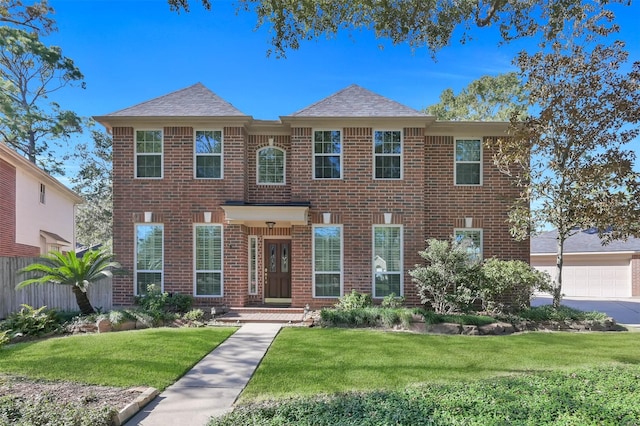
[590, 278]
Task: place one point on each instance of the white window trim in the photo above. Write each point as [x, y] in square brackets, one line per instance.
[456, 230]
[313, 259]
[254, 265]
[284, 167]
[196, 155]
[373, 257]
[313, 153]
[373, 150]
[195, 271]
[455, 162]
[135, 257]
[135, 153]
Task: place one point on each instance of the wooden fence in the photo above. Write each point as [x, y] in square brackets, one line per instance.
[51, 295]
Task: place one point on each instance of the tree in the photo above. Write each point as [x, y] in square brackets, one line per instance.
[570, 159]
[94, 182]
[68, 269]
[488, 98]
[32, 18]
[30, 71]
[416, 22]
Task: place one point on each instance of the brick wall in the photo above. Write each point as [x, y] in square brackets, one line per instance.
[8, 246]
[425, 202]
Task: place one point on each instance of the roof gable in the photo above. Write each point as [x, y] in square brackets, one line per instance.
[356, 101]
[192, 101]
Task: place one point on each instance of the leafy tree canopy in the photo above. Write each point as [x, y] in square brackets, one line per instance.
[415, 22]
[488, 98]
[33, 17]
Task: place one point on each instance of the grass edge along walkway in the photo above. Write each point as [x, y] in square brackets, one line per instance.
[313, 361]
[154, 357]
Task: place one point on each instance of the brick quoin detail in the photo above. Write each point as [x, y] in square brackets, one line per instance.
[425, 202]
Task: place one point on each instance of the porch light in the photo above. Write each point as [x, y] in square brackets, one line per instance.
[270, 224]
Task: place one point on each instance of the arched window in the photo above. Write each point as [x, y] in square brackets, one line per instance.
[271, 166]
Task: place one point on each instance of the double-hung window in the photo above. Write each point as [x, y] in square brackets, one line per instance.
[149, 257]
[208, 152]
[327, 154]
[148, 153]
[387, 260]
[327, 260]
[271, 166]
[468, 159]
[208, 260]
[472, 240]
[387, 152]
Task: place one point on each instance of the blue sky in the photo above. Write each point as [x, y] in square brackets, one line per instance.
[134, 50]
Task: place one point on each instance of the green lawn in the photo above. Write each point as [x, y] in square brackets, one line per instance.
[155, 357]
[310, 361]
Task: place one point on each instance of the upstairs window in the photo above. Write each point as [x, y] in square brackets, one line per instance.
[271, 166]
[468, 156]
[148, 153]
[387, 152]
[327, 154]
[208, 152]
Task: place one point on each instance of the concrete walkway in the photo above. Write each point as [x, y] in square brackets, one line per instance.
[211, 387]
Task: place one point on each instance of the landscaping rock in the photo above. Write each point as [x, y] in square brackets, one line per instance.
[443, 328]
[497, 329]
[470, 330]
[124, 326]
[104, 325]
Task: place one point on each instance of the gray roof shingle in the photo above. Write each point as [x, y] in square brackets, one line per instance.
[586, 241]
[192, 101]
[356, 101]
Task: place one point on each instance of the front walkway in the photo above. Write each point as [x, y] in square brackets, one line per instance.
[211, 387]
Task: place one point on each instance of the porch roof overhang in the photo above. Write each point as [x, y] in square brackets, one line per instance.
[258, 214]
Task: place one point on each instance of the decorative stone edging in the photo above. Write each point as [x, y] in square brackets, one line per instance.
[504, 328]
[132, 409]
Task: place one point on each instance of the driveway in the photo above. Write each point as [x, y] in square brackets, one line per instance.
[623, 310]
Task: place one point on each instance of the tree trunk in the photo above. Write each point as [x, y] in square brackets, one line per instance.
[83, 301]
[557, 289]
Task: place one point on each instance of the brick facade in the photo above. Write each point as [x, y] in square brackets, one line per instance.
[425, 201]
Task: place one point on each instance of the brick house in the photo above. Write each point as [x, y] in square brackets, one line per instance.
[340, 195]
[37, 212]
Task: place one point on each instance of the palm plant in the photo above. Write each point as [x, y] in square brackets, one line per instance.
[68, 269]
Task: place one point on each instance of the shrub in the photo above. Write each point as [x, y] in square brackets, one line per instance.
[29, 321]
[391, 301]
[119, 317]
[194, 315]
[162, 306]
[562, 313]
[179, 303]
[366, 317]
[354, 300]
[449, 282]
[431, 317]
[4, 338]
[507, 286]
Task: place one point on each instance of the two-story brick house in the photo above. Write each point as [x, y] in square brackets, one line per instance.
[340, 195]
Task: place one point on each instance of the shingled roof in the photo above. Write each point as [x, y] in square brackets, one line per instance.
[193, 101]
[356, 101]
[586, 241]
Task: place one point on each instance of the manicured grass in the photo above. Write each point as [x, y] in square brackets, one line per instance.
[595, 396]
[311, 361]
[155, 357]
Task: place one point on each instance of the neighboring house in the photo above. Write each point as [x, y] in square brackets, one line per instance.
[37, 212]
[340, 195]
[589, 268]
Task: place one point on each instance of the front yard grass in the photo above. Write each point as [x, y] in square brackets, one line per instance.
[154, 357]
[313, 361]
